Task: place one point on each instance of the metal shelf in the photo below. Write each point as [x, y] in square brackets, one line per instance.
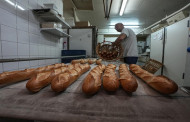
[55, 31]
[50, 15]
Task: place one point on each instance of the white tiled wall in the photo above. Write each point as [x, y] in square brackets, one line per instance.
[20, 35]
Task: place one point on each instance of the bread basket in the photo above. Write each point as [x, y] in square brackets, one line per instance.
[109, 51]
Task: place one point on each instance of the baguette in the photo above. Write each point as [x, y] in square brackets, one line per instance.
[63, 80]
[40, 69]
[57, 65]
[49, 67]
[70, 66]
[160, 83]
[99, 61]
[128, 82]
[92, 81]
[15, 76]
[83, 61]
[75, 61]
[42, 79]
[110, 80]
[91, 61]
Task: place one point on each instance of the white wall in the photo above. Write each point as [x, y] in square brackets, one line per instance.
[20, 36]
[100, 38]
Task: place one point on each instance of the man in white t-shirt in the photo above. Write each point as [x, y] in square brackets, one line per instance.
[128, 40]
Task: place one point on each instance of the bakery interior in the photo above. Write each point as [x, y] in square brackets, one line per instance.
[58, 62]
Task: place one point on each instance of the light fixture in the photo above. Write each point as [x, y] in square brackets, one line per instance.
[126, 26]
[10, 2]
[13, 4]
[107, 8]
[123, 5]
[21, 8]
[131, 26]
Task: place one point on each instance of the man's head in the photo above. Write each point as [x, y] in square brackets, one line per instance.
[119, 27]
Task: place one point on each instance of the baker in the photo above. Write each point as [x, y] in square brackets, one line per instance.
[128, 40]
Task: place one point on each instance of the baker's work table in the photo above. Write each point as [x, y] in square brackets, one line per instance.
[144, 105]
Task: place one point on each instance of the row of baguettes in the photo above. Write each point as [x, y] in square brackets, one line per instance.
[16, 76]
[161, 84]
[59, 78]
[111, 82]
[59, 75]
[89, 61]
[92, 82]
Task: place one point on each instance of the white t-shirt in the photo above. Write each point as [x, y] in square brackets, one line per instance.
[129, 44]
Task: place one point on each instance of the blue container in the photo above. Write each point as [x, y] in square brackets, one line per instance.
[72, 53]
[188, 49]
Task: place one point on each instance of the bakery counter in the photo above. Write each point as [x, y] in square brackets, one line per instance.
[72, 105]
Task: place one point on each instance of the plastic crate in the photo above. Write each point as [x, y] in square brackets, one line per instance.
[152, 66]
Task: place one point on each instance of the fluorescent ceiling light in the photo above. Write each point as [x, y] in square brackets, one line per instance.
[13, 4]
[131, 26]
[10, 2]
[21, 8]
[123, 7]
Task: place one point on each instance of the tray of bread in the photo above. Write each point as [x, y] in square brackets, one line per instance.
[109, 51]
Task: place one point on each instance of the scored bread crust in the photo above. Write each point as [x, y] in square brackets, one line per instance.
[110, 79]
[92, 81]
[128, 82]
[160, 83]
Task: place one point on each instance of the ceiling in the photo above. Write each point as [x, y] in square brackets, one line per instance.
[137, 12]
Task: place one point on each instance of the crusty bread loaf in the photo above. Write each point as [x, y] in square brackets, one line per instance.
[40, 69]
[63, 80]
[160, 83]
[70, 66]
[92, 81]
[83, 61]
[110, 79]
[91, 61]
[42, 79]
[15, 76]
[128, 82]
[58, 65]
[49, 67]
[75, 61]
[99, 61]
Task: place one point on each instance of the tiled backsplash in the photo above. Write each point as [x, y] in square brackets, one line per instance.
[20, 35]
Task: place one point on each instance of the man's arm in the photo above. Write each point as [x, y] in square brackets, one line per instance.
[120, 38]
